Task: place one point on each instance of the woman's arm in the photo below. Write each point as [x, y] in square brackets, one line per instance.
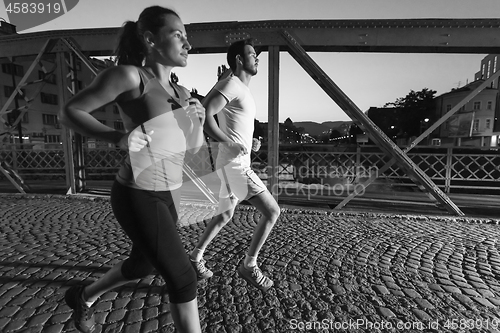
[112, 83]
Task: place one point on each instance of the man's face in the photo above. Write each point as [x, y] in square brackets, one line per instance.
[250, 60]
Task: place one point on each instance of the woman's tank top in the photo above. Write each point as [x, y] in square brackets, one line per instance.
[157, 167]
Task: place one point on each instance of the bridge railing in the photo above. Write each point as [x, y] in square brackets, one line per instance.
[453, 169]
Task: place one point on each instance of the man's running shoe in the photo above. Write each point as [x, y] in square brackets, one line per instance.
[202, 272]
[255, 277]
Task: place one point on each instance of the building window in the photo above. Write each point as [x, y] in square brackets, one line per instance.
[475, 125]
[47, 77]
[495, 65]
[49, 98]
[436, 142]
[483, 67]
[476, 106]
[101, 109]
[10, 68]
[487, 123]
[49, 119]
[448, 107]
[115, 109]
[118, 125]
[489, 68]
[489, 105]
[12, 117]
[52, 138]
[102, 121]
[8, 91]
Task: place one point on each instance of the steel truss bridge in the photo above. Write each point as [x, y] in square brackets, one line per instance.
[297, 37]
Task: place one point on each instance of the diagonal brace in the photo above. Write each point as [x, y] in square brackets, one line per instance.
[387, 145]
[415, 142]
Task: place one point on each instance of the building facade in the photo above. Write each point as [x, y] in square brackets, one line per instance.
[489, 65]
[474, 123]
[38, 102]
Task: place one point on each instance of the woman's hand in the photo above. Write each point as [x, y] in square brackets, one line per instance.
[135, 140]
[196, 111]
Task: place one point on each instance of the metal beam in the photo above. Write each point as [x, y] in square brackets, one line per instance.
[402, 35]
[14, 177]
[475, 36]
[273, 122]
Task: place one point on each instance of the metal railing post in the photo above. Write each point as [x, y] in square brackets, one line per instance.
[449, 161]
[273, 122]
[67, 134]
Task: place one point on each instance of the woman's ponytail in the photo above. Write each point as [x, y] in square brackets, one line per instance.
[130, 49]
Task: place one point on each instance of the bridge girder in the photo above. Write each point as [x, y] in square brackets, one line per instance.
[299, 37]
[476, 36]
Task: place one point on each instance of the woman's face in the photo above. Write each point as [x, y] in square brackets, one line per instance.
[170, 45]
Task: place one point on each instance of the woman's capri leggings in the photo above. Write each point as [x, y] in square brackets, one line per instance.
[149, 219]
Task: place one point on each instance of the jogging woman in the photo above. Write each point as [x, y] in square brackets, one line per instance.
[162, 122]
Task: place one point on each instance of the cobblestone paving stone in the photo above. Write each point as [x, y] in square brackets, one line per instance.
[333, 271]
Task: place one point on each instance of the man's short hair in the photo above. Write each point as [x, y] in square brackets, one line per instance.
[237, 48]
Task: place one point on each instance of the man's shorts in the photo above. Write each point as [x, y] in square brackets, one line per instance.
[242, 181]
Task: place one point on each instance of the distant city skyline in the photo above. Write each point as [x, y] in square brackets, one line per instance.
[369, 79]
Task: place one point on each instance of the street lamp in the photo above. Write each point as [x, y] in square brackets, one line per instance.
[423, 128]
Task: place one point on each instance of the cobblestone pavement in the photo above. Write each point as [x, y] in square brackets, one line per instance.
[333, 271]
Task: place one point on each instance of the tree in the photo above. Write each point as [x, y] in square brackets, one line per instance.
[413, 109]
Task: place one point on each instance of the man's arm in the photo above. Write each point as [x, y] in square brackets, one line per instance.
[214, 102]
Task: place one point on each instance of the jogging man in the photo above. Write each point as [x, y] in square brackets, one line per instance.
[234, 105]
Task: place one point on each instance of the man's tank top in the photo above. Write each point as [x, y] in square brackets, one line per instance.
[157, 167]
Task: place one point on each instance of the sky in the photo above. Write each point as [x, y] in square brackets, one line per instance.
[368, 79]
